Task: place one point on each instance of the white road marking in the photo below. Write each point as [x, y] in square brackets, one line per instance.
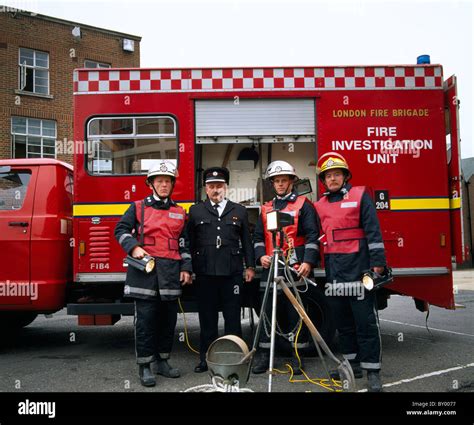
[426, 375]
[424, 327]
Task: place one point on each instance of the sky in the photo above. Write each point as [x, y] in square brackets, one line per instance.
[185, 33]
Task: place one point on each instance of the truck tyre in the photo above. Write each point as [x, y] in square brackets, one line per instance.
[11, 321]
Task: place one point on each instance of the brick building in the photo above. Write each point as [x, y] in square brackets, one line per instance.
[37, 57]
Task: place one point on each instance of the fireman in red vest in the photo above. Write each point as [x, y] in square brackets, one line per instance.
[301, 249]
[156, 293]
[353, 244]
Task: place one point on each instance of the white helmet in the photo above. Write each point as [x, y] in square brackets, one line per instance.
[163, 167]
[280, 168]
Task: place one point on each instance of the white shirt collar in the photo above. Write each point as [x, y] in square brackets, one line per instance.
[222, 204]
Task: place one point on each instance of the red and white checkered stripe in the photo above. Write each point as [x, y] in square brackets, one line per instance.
[350, 78]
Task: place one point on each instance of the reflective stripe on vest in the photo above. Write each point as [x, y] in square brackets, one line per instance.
[162, 229]
[291, 231]
[340, 222]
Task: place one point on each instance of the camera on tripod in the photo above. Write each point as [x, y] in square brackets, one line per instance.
[277, 220]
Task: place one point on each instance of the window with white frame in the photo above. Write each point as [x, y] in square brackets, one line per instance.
[94, 64]
[33, 138]
[127, 145]
[33, 71]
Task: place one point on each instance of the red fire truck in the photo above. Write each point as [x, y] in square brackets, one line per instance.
[397, 126]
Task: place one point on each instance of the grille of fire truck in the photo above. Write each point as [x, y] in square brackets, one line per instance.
[99, 244]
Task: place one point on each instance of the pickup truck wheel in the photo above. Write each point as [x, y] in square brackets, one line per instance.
[15, 320]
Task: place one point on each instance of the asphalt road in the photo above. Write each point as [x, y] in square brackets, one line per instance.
[55, 354]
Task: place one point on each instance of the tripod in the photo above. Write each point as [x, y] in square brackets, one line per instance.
[273, 281]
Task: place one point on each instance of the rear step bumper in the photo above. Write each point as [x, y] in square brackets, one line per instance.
[127, 309]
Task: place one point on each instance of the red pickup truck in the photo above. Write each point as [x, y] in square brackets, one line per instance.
[36, 238]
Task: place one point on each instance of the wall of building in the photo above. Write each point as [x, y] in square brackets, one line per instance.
[65, 54]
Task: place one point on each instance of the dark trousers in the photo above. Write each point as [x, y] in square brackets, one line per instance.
[358, 327]
[214, 293]
[155, 323]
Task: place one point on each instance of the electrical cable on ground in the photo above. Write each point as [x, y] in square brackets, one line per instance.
[186, 328]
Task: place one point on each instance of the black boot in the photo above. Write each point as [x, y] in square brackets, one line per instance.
[261, 362]
[147, 378]
[295, 365]
[358, 373]
[201, 367]
[165, 369]
[374, 384]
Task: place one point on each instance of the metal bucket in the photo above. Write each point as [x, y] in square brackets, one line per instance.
[229, 357]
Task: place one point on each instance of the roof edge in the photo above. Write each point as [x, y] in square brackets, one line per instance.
[68, 23]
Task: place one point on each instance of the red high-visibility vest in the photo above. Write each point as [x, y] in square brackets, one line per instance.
[291, 231]
[162, 229]
[340, 222]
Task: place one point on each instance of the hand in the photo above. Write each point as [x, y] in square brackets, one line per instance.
[266, 261]
[185, 278]
[304, 270]
[138, 253]
[249, 275]
[379, 270]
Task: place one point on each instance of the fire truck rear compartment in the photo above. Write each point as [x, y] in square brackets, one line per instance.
[245, 135]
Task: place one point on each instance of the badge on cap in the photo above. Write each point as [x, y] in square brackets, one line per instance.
[214, 173]
[163, 167]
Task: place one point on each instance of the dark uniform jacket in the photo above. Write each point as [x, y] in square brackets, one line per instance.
[219, 245]
[350, 267]
[307, 227]
[164, 279]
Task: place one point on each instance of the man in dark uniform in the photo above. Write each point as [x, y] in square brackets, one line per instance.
[352, 245]
[155, 227]
[220, 242]
[303, 255]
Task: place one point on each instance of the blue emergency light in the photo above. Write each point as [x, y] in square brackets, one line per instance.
[423, 59]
